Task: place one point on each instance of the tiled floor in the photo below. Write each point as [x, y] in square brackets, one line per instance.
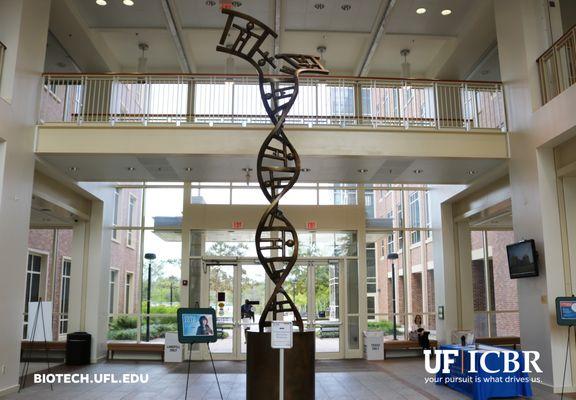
[335, 380]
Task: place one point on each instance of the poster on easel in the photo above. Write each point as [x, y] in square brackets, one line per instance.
[44, 318]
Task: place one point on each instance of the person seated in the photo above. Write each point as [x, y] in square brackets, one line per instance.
[419, 334]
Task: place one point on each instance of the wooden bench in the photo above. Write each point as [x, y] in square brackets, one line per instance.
[503, 341]
[113, 347]
[52, 351]
[396, 345]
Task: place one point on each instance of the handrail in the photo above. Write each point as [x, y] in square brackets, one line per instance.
[557, 66]
[216, 75]
[106, 98]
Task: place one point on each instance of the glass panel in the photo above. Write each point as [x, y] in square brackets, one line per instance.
[505, 289]
[481, 324]
[162, 294]
[210, 195]
[248, 195]
[123, 327]
[296, 285]
[253, 288]
[353, 333]
[352, 286]
[506, 324]
[327, 307]
[327, 244]
[221, 281]
[127, 209]
[478, 272]
[231, 243]
[158, 326]
[299, 196]
[163, 208]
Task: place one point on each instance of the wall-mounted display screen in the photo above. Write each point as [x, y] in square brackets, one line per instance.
[566, 310]
[522, 259]
[197, 325]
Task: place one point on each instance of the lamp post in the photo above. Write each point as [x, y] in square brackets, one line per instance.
[149, 257]
[392, 257]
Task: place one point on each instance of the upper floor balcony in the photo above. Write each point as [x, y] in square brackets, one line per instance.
[233, 100]
[557, 66]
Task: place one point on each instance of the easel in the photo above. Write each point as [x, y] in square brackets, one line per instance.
[24, 374]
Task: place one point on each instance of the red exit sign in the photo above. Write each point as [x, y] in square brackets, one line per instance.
[238, 225]
[311, 225]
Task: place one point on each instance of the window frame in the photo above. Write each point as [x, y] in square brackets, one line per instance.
[65, 297]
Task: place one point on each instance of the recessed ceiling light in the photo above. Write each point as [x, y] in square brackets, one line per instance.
[446, 12]
[362, 170]
[129, 3]
[418, 171]
[346, 7]
[472, 172]
[319, 6]
[188, 169]
[421, 10]
[130, 168]
[101, 2]
[73, 169]
[305, 169]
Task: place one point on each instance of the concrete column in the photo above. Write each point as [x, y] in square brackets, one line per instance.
[464, 257]
[97, 267]
[76, 304]
[523, 34]
[445, 266]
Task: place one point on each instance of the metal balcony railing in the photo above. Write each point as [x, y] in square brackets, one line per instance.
[557, 66]
[323, 101]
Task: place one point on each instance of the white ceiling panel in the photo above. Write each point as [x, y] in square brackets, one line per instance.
[111, 168]
[161, 54]
[144, 13]
[336, 15]
[201, 14]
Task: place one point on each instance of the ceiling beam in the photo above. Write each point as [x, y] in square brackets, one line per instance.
[178, 38]
[376, 36]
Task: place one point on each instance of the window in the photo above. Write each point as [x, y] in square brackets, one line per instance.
[371, 267]
[369, 203]
[115, 216]
[131, 212]
[495, 295]
[371, 307]
[128, 293]
[390, 243]
[33, 285]
[65, 295]
[428, 217]
[414, 204]
[400, 217]
[112, 291]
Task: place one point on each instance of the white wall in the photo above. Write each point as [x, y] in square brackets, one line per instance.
[24, 24]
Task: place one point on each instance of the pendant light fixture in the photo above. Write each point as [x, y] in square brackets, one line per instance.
[406, 73]
[143, 61]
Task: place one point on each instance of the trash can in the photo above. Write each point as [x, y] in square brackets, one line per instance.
[373, 345]
[78, 346]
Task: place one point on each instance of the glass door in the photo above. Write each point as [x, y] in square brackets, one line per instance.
[221, 290]
[324, 315]
[238, 294]
[315, 289]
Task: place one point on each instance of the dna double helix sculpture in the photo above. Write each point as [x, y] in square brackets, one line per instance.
[278, 164]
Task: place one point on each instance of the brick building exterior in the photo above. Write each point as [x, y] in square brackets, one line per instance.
[50, 262]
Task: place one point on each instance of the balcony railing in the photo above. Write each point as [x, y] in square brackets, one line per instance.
[322, 101]
[557, 66]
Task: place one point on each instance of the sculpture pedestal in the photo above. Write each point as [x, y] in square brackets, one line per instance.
[262, 367]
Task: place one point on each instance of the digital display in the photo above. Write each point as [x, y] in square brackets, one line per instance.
[522, 259]
[197, 325]
[566, 310]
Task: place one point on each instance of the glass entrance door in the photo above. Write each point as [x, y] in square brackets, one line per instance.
[232, 291]
[316, 290]
[315, 287]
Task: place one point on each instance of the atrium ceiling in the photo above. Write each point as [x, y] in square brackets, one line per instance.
[182, 35]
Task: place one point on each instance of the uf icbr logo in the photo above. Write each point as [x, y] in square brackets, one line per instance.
[511, 361]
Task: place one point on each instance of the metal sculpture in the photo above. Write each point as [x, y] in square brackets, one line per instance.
[278, 164]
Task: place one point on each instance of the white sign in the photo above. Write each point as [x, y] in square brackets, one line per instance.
[282, 333]
[172, 348]
[39, 322]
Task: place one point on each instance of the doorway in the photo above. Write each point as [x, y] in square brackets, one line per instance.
[315, 287]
